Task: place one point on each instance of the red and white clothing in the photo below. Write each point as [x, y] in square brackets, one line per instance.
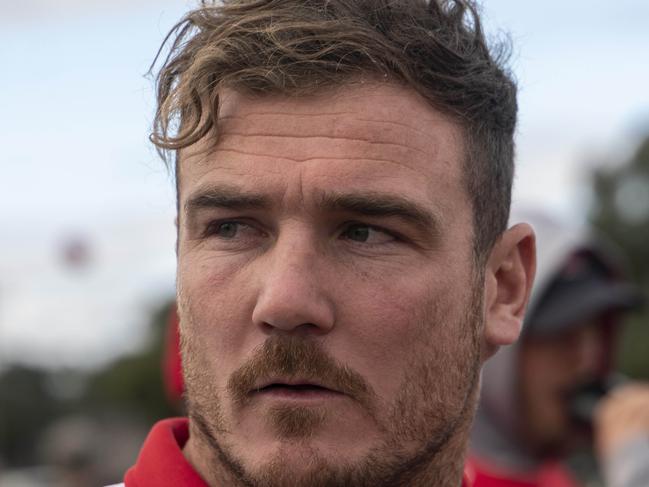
[161, 461]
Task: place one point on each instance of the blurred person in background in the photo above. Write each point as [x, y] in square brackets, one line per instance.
[546, 399]
[345, 267]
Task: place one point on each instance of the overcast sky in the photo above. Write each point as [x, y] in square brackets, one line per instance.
[77, 166]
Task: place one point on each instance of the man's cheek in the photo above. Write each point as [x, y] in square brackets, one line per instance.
[205, 269]
[217, 330]
[211, 326]
[217, 284]
[386, 326]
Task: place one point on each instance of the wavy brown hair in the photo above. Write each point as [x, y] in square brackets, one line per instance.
[296, 47]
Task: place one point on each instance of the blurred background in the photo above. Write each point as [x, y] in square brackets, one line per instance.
[86, 207]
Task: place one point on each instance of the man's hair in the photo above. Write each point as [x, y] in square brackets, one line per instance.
[297, 47]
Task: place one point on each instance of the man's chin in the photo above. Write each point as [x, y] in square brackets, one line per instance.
[305, 463]
[302, 437]
[284, 472]
[295, 422]
[325, 427]
[302, 447]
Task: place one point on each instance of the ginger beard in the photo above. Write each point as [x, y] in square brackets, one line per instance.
[423, 428]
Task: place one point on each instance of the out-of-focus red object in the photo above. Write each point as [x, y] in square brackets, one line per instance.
[550, 474]
[75, 252]
[172, 366]
[161, 462]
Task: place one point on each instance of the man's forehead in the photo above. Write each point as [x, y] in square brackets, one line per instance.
[377, 112]
[363, 138]
[387, 118]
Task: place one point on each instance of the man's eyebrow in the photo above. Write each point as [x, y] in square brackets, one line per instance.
[383, 205]
[228, 197]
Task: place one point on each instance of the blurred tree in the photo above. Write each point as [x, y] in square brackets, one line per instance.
[26, 407]
[33, 399]
[621, 211]
[134, 383]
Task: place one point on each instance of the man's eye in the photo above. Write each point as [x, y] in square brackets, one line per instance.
[225, 230]
[367, 234]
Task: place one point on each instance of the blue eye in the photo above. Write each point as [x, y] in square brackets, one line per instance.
[358, 233]
[367, 234]
[233, 232]
[227, 229]
[224, 229]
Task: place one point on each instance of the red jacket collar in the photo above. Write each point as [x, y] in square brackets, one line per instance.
[161, 462]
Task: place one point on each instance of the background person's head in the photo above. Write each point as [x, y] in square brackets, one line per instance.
[579, 299]
[569, 342]
[344, 171]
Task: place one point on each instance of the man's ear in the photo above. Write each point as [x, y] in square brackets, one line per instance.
[509, 275]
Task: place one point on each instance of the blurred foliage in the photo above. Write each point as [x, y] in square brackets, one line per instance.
[621, 211]
[135, 383]
[634, 348]
[27, 406]
[32, 399]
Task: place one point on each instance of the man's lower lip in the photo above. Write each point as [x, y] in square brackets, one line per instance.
[292, 394]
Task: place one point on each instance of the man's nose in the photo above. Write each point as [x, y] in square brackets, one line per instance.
[292, 296]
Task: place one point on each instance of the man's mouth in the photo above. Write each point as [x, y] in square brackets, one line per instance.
[294, 387]
[295, 391]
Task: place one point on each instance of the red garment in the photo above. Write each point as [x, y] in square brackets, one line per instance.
[171, 363]
[551, 474]
[161, 462]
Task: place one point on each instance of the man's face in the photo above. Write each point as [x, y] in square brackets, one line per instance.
[550, 370]
[330, 310]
